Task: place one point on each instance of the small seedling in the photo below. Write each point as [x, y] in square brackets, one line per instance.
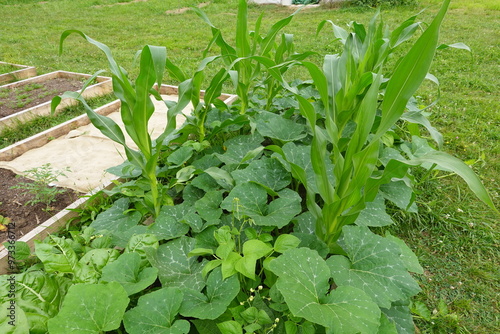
[41, 188]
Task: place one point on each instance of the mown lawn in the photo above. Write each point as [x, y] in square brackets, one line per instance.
[455, 236]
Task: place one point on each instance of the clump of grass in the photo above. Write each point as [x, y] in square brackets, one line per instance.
[7, 68]
[20, 131]
[456, 240]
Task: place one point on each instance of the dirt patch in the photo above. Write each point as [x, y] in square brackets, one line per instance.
[13, 100]
[185, 9]
[26, 217]
[120, 3]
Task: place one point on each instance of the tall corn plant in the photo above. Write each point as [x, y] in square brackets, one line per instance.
[245, 61]
[136, 110]
[356, 121]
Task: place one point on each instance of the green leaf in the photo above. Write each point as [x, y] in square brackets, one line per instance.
[311, 240]
[400, 315]
[252, 251]
[211, 266]
[138, 243]
[230, 327]
[38, 294]
[127, 271]
[399, 193]
[219, 294]
[247, 199]
[228, 265]
[387, 326]
[409, 259]
[99, 258]
[410, 73]
[418, 118]
[115, 219]
[256, 249]
[237, 147]
[373, 265]
[275, 126]
[13, 320]
[21, 250]
[266, 172]
[201, 252]
[250, 199]
[420, 309]
[222, 177]
[303, 280]
[175, 267]
[168, 224]
[449, 162]
[374, 214]
[57, 255]
[155, 314]
[300, 155]
[282, 210]
[90, 308]
[459, 45]
[285, 242]
[206, 326]
[306, 223]
[208, 207]
[180, 156]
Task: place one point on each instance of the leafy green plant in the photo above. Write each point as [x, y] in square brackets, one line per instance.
[41, 188]
[269, 228]
[245, 63]
[355, 127]
[136, 110]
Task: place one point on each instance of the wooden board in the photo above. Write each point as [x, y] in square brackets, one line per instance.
[23, 72]
[102, 87]
[55, 223]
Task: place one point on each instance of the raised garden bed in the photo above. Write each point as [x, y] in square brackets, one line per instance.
[26, 99]
[13, 72]
[52, 225]
[34, 229]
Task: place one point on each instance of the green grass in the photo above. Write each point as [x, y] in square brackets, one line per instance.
[7, 68]
[20, 131]
[455, 236]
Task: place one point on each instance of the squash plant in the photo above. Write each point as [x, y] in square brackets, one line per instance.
[268, 230]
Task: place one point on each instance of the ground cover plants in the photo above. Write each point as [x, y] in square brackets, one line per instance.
[240, 203]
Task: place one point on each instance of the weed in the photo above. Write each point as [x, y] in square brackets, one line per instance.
[42, 188]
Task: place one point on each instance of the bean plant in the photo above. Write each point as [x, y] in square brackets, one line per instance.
[273, 200]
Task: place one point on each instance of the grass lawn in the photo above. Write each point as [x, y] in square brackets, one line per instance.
[455, 236]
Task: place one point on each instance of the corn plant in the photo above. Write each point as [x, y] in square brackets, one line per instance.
[349, 144]
[252, 52]
[136, 110]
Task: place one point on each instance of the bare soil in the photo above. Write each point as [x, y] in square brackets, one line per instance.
[26, 217]
[185, 9]
[33, 94]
